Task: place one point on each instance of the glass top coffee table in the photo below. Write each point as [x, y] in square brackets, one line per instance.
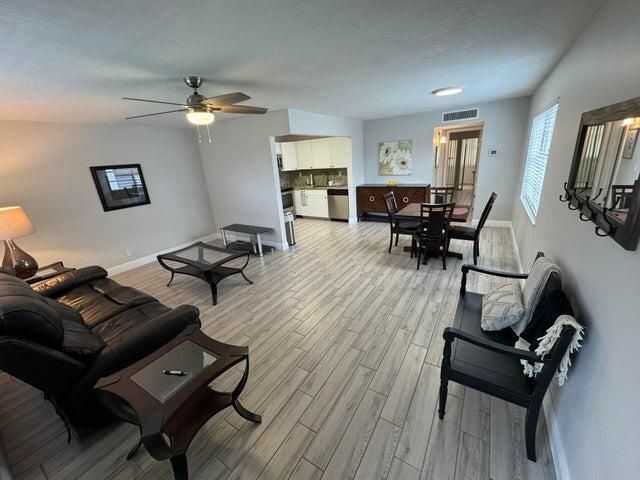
[209, 263]
[170, 395]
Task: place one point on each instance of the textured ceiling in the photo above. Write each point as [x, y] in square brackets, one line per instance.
[72, 60]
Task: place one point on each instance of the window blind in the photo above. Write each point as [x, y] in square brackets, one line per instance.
[539, 143]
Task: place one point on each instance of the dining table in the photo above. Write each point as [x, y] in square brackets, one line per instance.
[460, 215]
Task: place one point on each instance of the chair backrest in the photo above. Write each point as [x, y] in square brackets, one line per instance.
[434, 220]
[390, 205]
[486, 212]
[440, 195]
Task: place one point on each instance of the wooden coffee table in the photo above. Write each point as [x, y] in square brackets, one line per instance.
[170, 395]
[206, 262]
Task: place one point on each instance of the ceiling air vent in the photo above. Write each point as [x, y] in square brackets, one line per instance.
[471, 114]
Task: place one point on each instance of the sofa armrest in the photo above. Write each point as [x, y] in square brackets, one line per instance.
[49, 370]
[466, 268]
[145, 339]
[450, 333]
[61, 284]
[136, 344]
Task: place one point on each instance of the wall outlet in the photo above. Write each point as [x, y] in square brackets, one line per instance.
[129, 252]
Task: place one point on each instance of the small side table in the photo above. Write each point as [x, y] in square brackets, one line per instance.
[253, 232]
[169, 395]
[47, 272]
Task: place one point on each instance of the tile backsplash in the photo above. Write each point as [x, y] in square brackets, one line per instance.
[316, 177]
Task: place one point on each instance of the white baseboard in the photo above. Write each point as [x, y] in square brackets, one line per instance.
[515, 249]
[493, 223]
[560, 464]
[150, 258]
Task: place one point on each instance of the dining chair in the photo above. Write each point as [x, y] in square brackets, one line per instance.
[432, 232]
[398, 226]
[440, 195]
[460, 232]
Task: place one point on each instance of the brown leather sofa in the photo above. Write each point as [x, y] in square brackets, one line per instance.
[65, 333]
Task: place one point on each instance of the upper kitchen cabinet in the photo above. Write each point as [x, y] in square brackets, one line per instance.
[321, 152]
[340, 152]
[304, 153]
[289, 156]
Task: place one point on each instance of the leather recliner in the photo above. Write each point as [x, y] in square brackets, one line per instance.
[64, 334]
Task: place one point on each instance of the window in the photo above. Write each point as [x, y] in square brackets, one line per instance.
[539, 143]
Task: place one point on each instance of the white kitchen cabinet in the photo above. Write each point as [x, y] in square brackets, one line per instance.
[289, 156]
[311, 203]
[317, 203]
[321, 152]
[340, 152]
[304, 154]
[297, 202]
[320, 206]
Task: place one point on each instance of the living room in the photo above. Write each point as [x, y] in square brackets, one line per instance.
[161, 316]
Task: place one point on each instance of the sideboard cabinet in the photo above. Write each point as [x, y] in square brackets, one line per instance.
[370, 196]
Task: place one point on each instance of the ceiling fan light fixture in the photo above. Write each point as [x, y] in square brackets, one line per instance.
[446, 91]
[200, 117]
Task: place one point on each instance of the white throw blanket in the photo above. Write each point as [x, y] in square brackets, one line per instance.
[546, 344]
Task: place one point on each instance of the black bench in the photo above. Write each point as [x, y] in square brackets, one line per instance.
[488, 361]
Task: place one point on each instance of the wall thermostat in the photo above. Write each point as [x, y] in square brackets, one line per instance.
[493, 152]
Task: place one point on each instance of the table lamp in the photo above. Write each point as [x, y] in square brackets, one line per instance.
[14, 223]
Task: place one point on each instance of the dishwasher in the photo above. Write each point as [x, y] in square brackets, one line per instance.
[338, 204]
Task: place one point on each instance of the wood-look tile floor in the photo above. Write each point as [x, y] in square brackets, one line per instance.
[345, 344]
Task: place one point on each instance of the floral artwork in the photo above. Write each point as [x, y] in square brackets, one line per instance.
[394, 157]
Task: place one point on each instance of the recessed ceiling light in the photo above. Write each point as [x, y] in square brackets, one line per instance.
[443, 92]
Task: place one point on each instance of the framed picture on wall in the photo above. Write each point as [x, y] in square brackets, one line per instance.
[120, 186]
[394, 157]
[630, 144]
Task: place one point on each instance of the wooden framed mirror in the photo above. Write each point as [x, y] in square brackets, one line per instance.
[604, 185]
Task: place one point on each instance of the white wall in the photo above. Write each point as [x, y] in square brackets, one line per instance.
[597, 409]
[504, 127]
[241, 173]
[306, 123]
[45, 168]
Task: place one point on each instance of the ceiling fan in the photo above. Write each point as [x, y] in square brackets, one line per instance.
[199, 109]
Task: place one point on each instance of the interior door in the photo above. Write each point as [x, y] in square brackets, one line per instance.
[461, 158]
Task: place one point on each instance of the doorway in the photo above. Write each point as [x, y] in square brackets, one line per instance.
[456, 162]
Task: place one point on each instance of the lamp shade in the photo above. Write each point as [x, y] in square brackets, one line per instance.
[14, 223]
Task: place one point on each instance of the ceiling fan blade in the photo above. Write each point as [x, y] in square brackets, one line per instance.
[242, 109]
[159, 113]
[226, 99]
[153, 101]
